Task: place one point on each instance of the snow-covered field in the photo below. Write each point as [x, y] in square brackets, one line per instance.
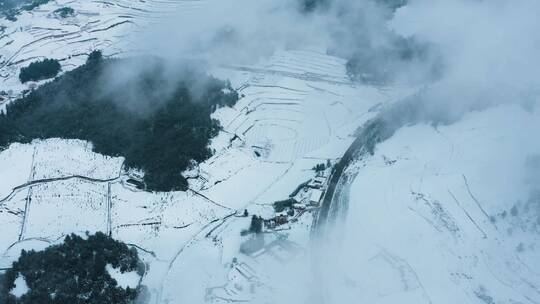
[297, 110]
[437, 215]
[286, 123]
[105, 25]
[445, 215]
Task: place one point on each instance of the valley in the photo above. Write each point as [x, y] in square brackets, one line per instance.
[274, 179]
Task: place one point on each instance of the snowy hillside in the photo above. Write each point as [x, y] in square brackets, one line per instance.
[445, 215]
[108, 26]
[439, 213]
[298, 109]
[286, 124]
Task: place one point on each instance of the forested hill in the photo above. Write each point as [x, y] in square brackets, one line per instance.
[11, 8]
[156, 122]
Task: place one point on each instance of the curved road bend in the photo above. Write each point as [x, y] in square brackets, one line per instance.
[324, 233]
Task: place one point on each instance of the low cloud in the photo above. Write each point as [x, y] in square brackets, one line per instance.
[233, 32]
[490, 51]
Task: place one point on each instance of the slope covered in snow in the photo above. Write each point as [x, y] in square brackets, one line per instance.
[283, 126]
[287, 121]
[105, 25]
[445, 214]
[438, 214]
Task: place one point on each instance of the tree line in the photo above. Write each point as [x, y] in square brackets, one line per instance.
[39, 70]
[74, 272]
[158, 124]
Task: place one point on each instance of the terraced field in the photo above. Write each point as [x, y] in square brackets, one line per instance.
[298, 109]
[106, 25]
[288, 121]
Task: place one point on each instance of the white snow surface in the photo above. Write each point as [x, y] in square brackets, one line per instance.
[293, 122]
[105, 25]
[437, 215]
[450, 221]
[129, 279]
[55, 187]
[21, 288]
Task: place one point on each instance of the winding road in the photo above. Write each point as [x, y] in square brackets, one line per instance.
[325, 233]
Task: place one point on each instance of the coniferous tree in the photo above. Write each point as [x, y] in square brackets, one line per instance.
[39, 70]
[160, 133]
[73, 272]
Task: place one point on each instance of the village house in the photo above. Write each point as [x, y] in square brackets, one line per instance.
[318, 182]
[276, 221]
[316, 196]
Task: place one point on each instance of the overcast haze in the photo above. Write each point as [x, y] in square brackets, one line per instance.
[454, 82]
[488, 52]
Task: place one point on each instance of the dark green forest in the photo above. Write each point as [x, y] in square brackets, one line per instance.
[39, 70]
[9, 9]
[74, 272]
[157, 122]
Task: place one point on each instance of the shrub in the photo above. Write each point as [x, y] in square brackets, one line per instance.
[256, 224]
[280, 206]
[94, 56]
[319, 167]
[64, 12]
[299, 188]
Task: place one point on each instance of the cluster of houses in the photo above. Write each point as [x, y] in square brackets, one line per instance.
[310, 196]
[316, 188]
[276, 221]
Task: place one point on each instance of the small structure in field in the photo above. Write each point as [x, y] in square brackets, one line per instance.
[316, 196]
[276, 221]
[318, 182]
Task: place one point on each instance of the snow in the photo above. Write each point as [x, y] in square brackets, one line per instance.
[20, 288]
[293, 121]
[108, 26]
[14, 250]
[429, 228]
[298, 109]
[125, 280]
[161, 222]
[15, 170]
[430, 217]
[55, 208]
[59, 158]
[316, 195]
